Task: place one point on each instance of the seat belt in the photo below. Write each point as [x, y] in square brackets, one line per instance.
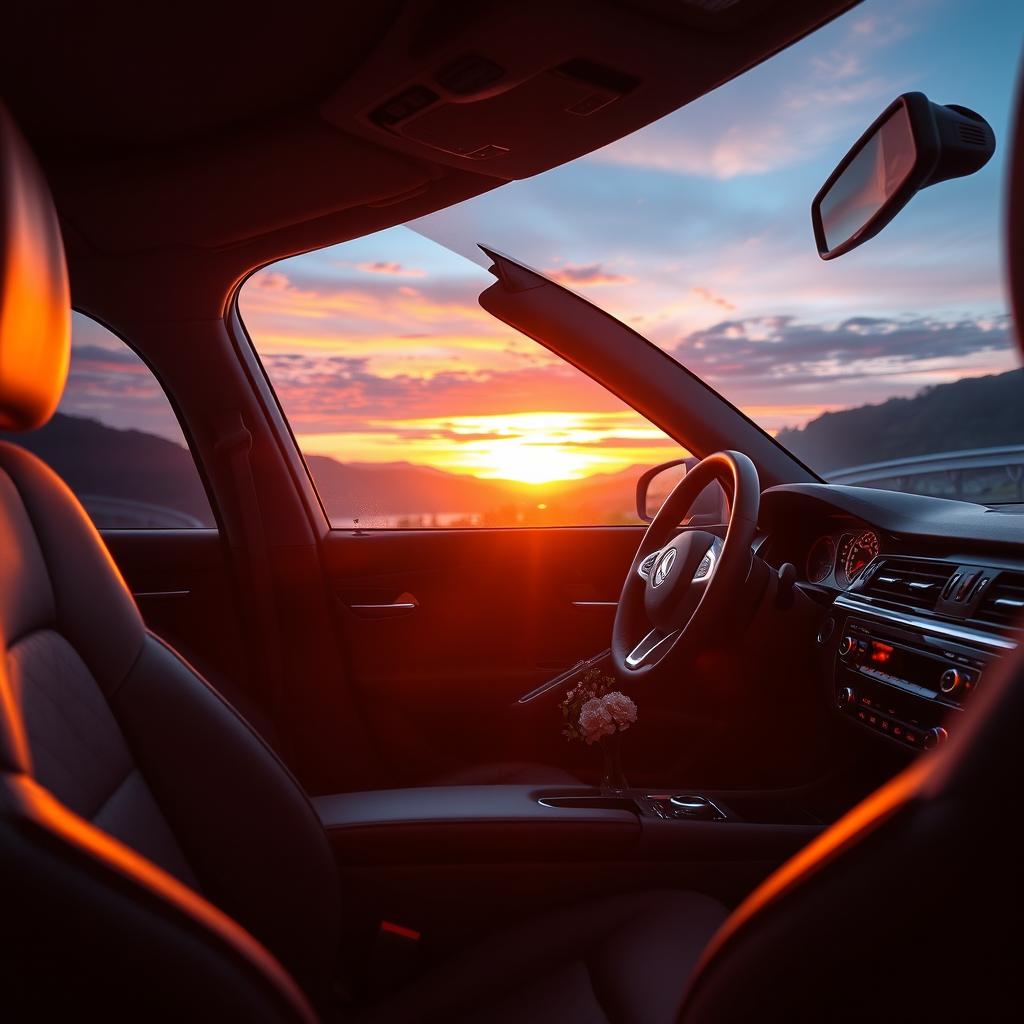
[260, 612]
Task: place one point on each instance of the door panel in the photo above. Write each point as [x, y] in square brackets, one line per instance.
[180, 581]
[445, 629]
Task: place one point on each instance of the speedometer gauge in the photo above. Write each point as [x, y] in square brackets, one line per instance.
[820, 559]
[858, 551]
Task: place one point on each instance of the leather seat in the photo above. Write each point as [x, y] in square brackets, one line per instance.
[626, 958]
[157, 862]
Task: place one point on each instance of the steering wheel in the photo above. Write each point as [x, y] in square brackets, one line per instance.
[680, 583]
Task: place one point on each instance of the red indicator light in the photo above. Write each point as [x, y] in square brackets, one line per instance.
[880, 652]
[399, 929]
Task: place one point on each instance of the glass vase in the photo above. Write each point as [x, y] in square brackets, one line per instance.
[613, 781]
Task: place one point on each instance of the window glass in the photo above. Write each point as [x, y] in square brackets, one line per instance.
[116, 441]
[415, 408]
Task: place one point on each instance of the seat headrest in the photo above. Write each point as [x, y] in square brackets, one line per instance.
[35, 302]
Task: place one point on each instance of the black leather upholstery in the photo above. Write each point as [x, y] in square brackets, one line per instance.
[909, 908]
[133, 801]
[625, 959]
[125, 735]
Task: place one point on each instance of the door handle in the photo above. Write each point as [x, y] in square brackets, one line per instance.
[404, 604]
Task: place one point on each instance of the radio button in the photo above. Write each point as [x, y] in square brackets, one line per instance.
[845, 646]
[935, 738]
[951, 680]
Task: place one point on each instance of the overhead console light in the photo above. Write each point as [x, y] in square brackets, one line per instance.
[470, 75]
[474, 110]
[407, 103]
[511, 90]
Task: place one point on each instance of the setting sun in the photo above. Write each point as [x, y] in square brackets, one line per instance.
[534, 462]
[527, 447]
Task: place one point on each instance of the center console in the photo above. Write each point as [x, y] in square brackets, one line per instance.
[479, 824]
[906, 678]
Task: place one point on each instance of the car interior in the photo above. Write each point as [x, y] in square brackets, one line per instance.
[263, 762]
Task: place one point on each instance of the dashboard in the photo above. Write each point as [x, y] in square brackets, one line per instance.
[917, 598]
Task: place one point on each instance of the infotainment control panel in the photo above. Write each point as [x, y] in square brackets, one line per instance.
[906, 679]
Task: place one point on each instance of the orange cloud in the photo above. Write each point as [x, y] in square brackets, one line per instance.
[279, 310]
[716, 300]
[391, 269]
[592, 273]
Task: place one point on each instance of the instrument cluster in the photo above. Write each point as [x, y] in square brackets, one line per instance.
[839, 558]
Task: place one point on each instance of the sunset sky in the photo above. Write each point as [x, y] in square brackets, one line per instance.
[696, 232]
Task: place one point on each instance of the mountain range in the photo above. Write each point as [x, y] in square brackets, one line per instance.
[131, 478]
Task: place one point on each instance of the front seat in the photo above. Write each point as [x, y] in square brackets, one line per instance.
[157, 862]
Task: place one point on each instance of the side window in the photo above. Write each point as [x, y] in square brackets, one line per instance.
[116, 441]
[414, 407]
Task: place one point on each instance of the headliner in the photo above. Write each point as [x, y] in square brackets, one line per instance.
[198, 149]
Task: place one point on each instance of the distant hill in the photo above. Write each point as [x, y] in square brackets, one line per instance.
[130, 478]
[385, 489]
[402, 493]
[134, 479]
[131, 467]
[977, 412]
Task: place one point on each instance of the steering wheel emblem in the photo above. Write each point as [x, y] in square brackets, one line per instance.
[664, 566]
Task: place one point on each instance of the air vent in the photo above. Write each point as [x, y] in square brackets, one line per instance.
[1003, 604]
[908, 582]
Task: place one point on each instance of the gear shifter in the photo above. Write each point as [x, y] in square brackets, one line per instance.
[686, 805]
[682, 806]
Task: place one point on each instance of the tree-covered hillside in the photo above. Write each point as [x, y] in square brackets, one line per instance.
[977, 412]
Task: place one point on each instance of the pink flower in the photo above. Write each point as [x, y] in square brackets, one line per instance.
[621, 709]
[596, 720]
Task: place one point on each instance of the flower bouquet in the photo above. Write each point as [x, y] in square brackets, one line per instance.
[594, 712]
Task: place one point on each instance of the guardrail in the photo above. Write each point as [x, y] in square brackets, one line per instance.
[138, 515]
[954, 465]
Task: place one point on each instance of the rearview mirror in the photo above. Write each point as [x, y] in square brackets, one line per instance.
[913, 144]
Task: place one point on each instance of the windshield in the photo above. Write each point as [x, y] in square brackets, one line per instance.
[893, 366]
